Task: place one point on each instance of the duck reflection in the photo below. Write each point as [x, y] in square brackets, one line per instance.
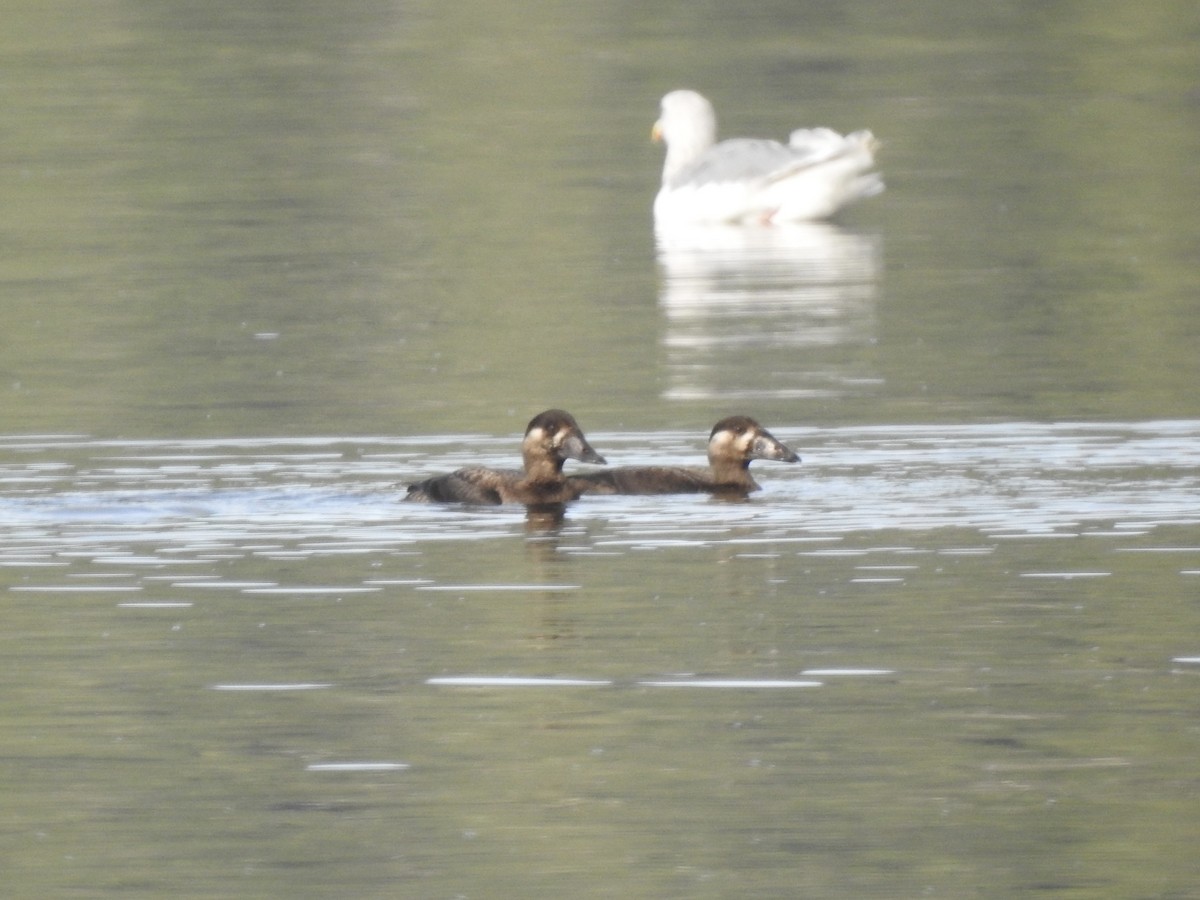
[775, 311]
[545, 521]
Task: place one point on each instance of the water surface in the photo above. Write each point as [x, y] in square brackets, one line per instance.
[266, 262]
[916, 642]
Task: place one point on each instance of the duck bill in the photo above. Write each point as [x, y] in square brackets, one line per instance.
[767, 447]
[577, 447]
[656, 133]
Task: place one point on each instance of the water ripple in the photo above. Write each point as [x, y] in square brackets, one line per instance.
[295, 498]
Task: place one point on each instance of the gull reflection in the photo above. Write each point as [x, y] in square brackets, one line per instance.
[776, 311]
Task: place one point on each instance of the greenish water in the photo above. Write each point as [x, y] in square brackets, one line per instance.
[265, 262]
[912, 665]
[262, 219]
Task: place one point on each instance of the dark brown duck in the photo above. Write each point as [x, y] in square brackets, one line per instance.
[733, 444]
[551, 438]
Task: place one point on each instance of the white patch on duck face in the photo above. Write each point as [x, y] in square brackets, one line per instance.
[765, 447]
[540, 437]
[725, 439]
[557, 435]
[745, 442]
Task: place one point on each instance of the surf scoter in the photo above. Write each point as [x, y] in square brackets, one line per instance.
[551, 438]
[734, 442]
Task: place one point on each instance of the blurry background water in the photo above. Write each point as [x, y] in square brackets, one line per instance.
[263, 262]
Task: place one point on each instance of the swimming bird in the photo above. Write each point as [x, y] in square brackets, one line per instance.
[750, 180]
[735, 441]
[551, 438]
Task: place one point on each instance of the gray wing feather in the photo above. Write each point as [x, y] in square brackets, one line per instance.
[750, 159]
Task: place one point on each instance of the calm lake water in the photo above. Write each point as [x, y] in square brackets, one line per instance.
[266, 263]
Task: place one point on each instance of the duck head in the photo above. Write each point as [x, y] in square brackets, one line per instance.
[552, 437]
[739, 439]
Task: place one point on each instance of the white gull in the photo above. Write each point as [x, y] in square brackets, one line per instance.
[750, 180]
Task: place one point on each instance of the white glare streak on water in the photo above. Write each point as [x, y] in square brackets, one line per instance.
[357, 767]
[513, 681]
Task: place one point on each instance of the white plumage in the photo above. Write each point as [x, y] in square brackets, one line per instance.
[748, 180]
